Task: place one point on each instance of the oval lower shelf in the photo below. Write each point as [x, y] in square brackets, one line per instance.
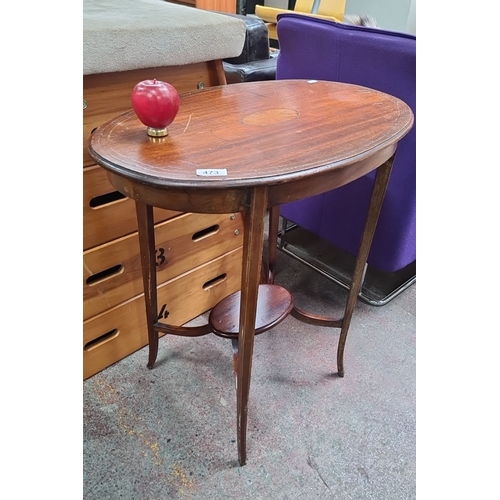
[274, 304]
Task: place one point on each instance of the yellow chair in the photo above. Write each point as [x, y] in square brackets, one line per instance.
[327, 9]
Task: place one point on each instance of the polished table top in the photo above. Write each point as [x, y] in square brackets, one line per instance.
[251, 147]
[278, 134]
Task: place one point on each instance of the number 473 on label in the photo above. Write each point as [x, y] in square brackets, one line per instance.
[213, 172]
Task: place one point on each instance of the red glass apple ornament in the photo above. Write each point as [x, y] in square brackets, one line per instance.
[156, 104]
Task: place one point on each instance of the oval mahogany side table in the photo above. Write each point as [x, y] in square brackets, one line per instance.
[249, 148]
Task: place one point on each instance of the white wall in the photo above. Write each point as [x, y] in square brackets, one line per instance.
[411, 26]
[395, 15]
[279, 4]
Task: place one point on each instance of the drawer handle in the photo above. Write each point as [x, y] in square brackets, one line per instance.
[205, 233]
[104, 275]
[106, 199]
[112, 334]
[215, 281]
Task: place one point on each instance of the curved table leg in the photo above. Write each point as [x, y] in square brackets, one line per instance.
[379, 189]
[250, 280]
[147, 247]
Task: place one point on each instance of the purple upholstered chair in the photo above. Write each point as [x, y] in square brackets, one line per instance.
[313, 48]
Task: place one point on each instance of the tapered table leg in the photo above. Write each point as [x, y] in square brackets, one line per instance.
[250, 279]
[272, 247]
[147, 248]
[379, 189]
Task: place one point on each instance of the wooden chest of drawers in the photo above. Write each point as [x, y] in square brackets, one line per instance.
[121, 330]
[107, 214]
[199, 256]
[112, 272]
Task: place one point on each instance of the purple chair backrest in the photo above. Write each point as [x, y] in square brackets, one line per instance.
[314, 48]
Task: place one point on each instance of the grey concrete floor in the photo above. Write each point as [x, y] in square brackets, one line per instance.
[170, 432]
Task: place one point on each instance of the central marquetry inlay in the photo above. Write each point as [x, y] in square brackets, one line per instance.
[270, 116]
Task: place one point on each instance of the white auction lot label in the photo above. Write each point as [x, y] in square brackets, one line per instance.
[211, 172]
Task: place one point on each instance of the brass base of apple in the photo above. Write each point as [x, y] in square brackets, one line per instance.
[157, 132]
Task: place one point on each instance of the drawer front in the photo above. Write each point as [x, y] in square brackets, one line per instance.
[112, 273]
[107, 214]
[106, 95]
[118, 332]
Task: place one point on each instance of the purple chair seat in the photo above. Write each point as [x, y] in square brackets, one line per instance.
[313, 48]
